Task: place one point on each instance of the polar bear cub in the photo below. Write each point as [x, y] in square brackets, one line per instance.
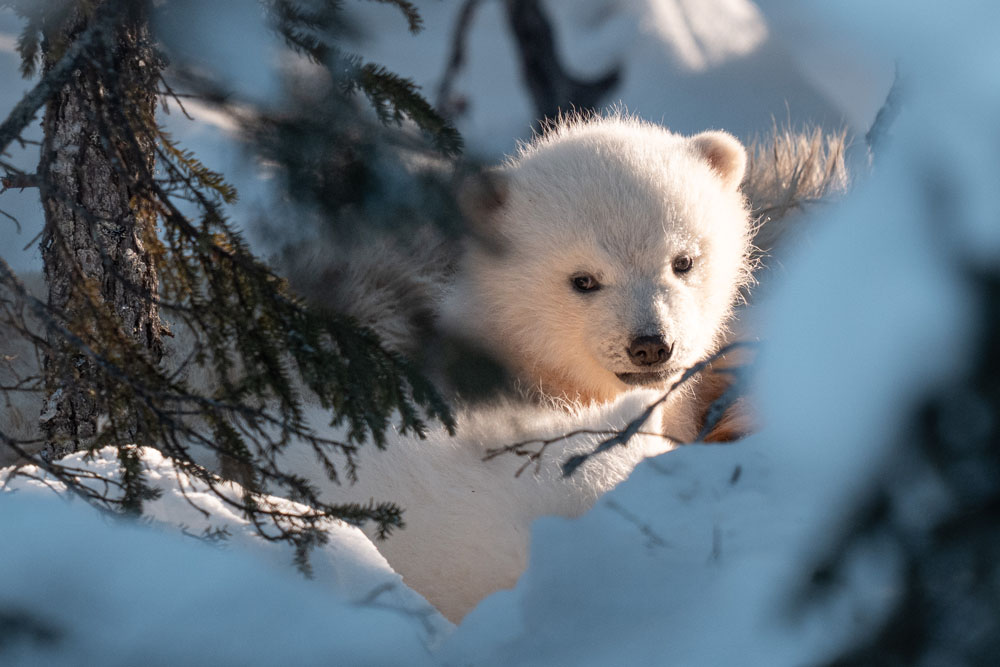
[608, 254]
[604, 256]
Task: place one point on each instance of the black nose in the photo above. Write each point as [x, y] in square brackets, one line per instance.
[649, 350]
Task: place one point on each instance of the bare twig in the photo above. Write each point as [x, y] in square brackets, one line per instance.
[535, 455]
[19, 181]
[632, 428]
[533, 449]
[17, 223]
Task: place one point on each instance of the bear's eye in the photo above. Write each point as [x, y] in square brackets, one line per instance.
[584, 282]
[683, 264]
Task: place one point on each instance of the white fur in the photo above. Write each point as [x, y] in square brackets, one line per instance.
[620, 199]
[468, 521]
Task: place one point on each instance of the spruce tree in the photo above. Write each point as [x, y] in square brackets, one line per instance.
[136, 229]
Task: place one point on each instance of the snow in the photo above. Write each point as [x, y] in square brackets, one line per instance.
[703, 34]
[239, 600]
[114, 594]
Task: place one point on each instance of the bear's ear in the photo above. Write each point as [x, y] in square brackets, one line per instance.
[724, 153]
[481, 196]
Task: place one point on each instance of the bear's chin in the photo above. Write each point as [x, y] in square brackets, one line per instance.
[647, 378]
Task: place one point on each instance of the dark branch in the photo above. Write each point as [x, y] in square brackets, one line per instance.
[632, 428]
[551, 86]
[18, 181]
[886, 115]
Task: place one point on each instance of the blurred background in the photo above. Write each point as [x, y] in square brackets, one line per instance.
[688, 64]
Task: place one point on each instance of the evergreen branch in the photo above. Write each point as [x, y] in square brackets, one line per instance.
[394, 97]
[300, 27]
[28, 44]
[413, 19]
[256, 339]
[53, 80]
[133, 488]
[195, 169]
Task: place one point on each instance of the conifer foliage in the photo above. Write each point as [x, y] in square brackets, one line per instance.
[136, 228]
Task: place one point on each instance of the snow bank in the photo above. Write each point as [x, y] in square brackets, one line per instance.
[113, 593]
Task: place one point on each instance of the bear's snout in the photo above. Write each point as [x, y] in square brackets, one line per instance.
[649, 350]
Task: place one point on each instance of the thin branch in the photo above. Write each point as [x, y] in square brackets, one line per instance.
[18, 182]
[535, 455]
[10, 217]
[632, 428]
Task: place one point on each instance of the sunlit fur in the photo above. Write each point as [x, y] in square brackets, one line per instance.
[619, 199]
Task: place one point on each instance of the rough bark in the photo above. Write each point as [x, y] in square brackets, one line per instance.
[99, 224]
[551, 86]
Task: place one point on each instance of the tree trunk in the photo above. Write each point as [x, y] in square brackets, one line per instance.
[99, 226]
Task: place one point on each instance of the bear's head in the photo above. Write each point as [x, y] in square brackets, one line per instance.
[606, 253]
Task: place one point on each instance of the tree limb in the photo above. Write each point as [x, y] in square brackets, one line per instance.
[19, 181]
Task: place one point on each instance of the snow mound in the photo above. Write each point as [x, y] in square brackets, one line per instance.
[79, 580]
